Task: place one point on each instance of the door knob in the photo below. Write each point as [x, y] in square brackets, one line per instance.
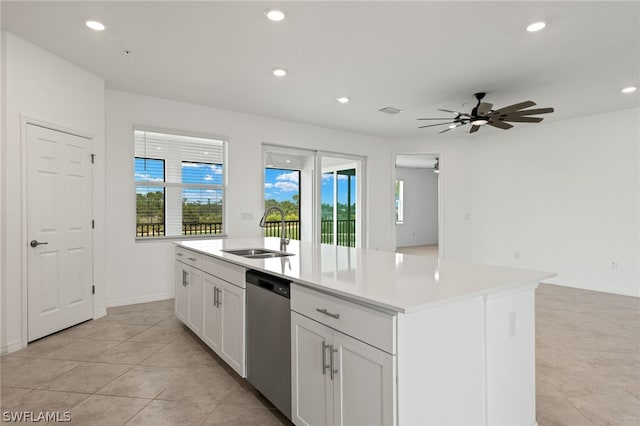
[36, 243]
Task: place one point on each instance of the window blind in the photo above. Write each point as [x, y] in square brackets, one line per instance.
[188, 174]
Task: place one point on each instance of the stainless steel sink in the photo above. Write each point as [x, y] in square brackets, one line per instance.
[257, 253]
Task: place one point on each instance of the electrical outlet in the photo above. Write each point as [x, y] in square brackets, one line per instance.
[614, 265]
[246, 216]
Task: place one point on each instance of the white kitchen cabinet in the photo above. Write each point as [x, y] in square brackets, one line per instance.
[312, 390]
[224, 321]
[210, 300]
[211, 330]
[189, 296]
[182, 292]
[195, 318]
[337, 379]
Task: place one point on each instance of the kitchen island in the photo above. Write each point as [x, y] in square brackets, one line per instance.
[411, 340]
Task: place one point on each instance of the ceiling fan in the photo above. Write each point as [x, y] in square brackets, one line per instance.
[482, 114]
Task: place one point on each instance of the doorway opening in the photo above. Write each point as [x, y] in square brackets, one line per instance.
[416, 204]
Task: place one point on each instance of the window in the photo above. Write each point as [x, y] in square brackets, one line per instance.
[399, 202]
[282, 189]
[180, 185]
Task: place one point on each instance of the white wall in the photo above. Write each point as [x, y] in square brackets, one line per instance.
[42, 86]
[142, 271]
[565, 196]
[420, 225]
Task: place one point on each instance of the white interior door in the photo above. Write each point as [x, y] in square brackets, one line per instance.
[59, 210]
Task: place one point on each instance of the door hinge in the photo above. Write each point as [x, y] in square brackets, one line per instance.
[93, 224]
[93, 289]
[93, 158]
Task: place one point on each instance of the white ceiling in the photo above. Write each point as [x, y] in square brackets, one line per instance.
[417, 56]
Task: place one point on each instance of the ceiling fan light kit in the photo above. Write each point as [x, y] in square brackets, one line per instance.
[484, 114]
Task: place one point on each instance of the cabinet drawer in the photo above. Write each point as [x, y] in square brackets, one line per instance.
[227, 271]
[366, 324]
[189, 257]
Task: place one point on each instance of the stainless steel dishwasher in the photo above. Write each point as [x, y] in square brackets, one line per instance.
[269, 338]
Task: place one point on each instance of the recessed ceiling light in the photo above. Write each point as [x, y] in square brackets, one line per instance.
[274, 15]
[343, 99]
[629, 89]
[453, 126]
[479, 122]
[279, 72]
[95, 25]
[536, 26]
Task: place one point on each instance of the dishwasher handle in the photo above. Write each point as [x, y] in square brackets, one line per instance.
[273, 284]
[265, 284]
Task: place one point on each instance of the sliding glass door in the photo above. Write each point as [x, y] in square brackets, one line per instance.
[340, 200]
[321, 194]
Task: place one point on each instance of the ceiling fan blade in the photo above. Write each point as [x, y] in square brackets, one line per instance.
[474, 129]
[500, 124]
[515, 107]
[532, 111]
[451, 128]
[448, 118]
[517, 119]
[439, 124]
[464, 114]
[484, 108]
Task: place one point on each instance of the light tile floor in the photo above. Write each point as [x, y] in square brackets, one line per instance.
[587, 357]
[431, 250]
[136, 366]
[139, 365]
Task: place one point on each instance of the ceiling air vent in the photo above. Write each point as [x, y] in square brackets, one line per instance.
[390, 110]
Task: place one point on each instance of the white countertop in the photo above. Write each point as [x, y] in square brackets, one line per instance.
[391, 281]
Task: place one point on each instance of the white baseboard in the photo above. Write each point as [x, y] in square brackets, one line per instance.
[10, 347]
[99, 314]
[140, 299]
[620, 291]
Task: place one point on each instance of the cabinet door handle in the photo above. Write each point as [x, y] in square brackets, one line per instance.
[215, 297]
[184, 278]
[332, 370]
[193, 259]
[324, 358]
[219, 296]
[324, 311]
[179, 254]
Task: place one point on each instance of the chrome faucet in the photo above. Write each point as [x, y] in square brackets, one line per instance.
[283, 231]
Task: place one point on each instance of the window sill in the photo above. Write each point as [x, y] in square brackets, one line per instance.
[180, 238]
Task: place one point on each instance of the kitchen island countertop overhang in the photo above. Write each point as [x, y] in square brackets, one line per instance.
[389, 281]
